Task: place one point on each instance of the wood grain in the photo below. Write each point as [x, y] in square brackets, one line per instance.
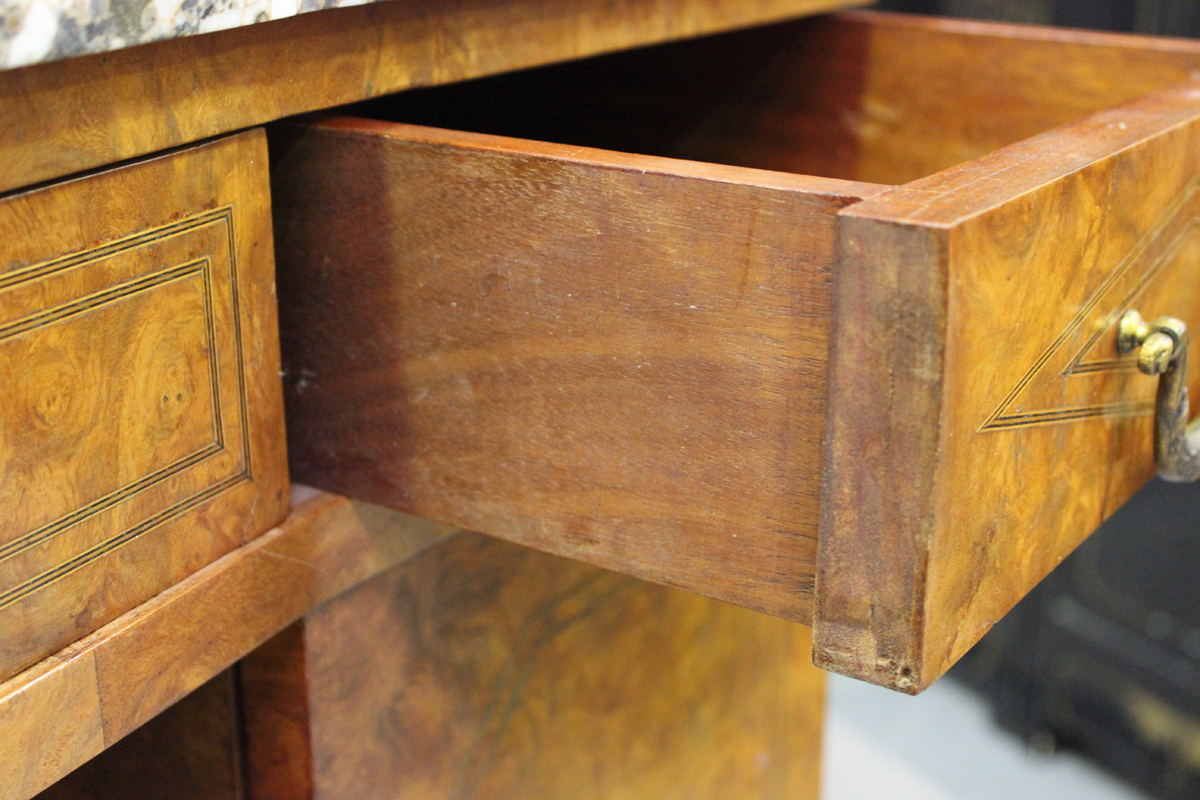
[67, 116]
[484, 670]
[983, 423]
[864, 96]
[881, 96]
[937, 93]
[39, 741]
[141, 435]
[72, 705]
[278, 744]
[192, 750]
[615, 358]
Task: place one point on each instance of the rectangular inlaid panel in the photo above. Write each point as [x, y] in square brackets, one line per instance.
[141, 430]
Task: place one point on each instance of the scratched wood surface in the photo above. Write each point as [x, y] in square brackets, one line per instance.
[141, 434]
[192, 751]
[982, 422]
[67, 116]
[73, 705]
[614, 358]
[868, 96]
[480, 669]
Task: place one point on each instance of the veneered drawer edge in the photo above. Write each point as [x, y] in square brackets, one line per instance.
[981, 421]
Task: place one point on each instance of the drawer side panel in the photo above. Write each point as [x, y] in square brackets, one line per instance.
[619, 364]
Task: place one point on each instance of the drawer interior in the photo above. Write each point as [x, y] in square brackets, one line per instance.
[870, 97]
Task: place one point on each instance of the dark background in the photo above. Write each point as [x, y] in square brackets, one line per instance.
[1170, 17]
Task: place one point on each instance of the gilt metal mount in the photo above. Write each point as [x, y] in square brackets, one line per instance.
[1162, 350]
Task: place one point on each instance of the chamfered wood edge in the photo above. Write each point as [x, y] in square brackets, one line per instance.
[62, 117]
[881, 454]
[71, 706]
[847, 191]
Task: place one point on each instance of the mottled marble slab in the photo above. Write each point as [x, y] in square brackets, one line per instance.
[46, 30]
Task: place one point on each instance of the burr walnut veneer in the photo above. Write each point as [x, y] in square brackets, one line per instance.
[480, 669]
[141, 435]
[817, 318]
[886, 409]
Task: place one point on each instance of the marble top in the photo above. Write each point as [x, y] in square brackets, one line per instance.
[47, 30]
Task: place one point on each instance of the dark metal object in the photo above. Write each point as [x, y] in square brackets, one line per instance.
[1162, 350]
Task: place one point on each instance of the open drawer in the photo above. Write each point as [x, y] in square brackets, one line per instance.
[887, 408]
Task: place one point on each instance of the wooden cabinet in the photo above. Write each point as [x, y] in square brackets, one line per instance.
[141, 434]
[885, 410]
[816, 318]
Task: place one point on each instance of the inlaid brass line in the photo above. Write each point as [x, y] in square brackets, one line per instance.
[210, 330]
[105, 297]
[115, 247]
[1078, 365]
[35, 584]
[243, 403]
[203, 266]
[48, 531]
[999, 420]
[1036, 418]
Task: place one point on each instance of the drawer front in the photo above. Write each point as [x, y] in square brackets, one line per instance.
[887, 411]
[982, 422]
[141, 435]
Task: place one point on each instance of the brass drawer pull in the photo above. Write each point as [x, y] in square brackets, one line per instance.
[1162, 350]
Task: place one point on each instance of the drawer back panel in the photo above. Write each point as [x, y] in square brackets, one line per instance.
[862, 96]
